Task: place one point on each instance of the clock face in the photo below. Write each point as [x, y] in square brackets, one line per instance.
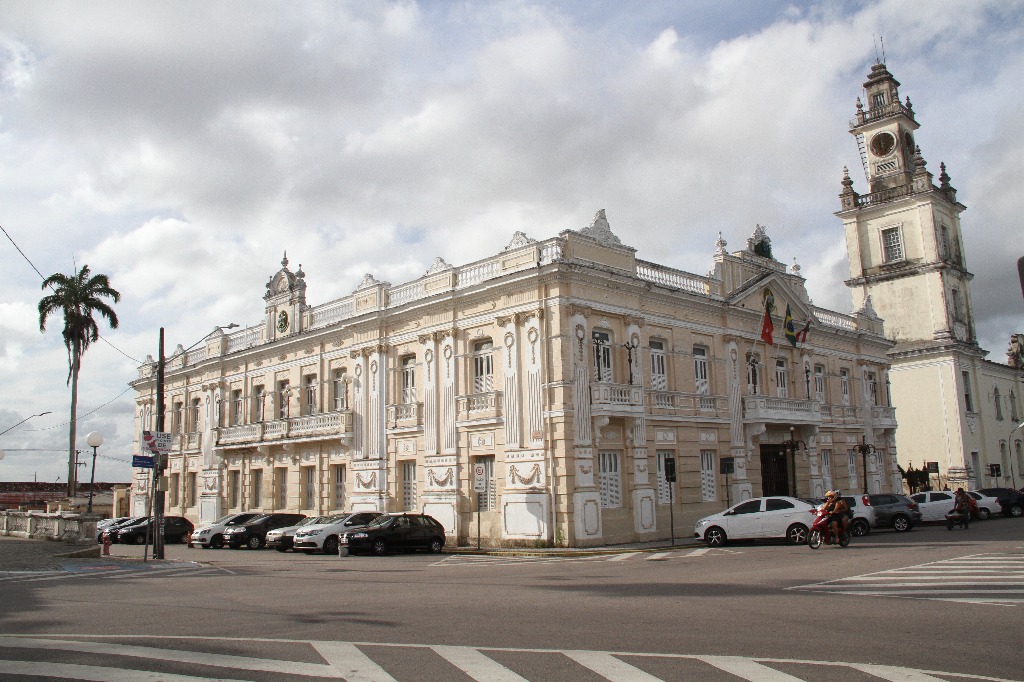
[282, 321]
[882, 144]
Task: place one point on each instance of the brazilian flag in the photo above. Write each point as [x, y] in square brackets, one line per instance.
[790, 328]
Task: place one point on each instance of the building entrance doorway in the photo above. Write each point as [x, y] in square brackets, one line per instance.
[774, 470]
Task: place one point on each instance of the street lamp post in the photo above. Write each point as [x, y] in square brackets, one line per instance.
[791, 446]
[865, 449]
[94, 439]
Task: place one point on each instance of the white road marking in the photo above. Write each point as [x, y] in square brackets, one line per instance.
[609, 667]
[477, 665]
[623, 557]
[351, 663]
[748, 669]
[894, 674]
[95, 673]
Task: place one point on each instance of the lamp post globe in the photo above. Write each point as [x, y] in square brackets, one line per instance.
[94, 439]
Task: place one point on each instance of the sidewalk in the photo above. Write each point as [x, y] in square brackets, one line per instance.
[18, 554]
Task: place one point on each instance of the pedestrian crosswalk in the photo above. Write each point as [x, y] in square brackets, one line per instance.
[512, 559]
[120, 570]
[996, 578]
[86, 657]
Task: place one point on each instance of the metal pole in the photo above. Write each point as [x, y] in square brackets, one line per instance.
[478, 520]
[158, 469]
[92, 477]
[671, 513]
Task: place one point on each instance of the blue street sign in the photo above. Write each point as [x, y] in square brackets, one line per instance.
[142, 462]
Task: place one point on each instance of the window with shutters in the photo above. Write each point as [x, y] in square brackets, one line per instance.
[968, 400]
[664, 495]
[892, 245]
[340, 390]
[781, 379]
[489, 497]
[409, 485]
[819, 383]
[193, 415]
[256, 489]
[173, 485]
[309, 488]
[408, 379]
[852, 469]
[844, 385]
[281, 488]
[700, 371]
[237, 408]
[872, 388]
[998, 402]
[826, 469]
[708, 483]
[177, 414]
[260, 404]
[311, 400]
[610, 479]
[234, 488]
[338, 473]
[1014, 414]
[659, 378]
[753, 380]
[483, 366]
[284, 392]
[191, 489]
[602, 356]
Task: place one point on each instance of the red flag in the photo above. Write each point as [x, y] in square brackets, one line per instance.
[767, 327]
[801, 336]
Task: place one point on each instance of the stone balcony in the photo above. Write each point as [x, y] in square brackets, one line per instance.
[616, 400]
[477, 407]
[841, 414]
[768, 409]
[187, 442]
[678, 404]
[405, 417]
[883, 417]
[310, 427]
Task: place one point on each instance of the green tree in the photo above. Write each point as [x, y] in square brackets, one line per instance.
[78, 298]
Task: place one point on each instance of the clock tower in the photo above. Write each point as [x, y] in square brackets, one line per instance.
[285, 302]
[903, 237]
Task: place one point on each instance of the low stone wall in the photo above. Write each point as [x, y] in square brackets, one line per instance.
[62, 527]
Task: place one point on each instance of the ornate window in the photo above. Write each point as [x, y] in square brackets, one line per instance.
[408, 381]
[340, 390]
[610, 479]
[483, 366]
[260, 411]
[659, 378]
[872, 388]
[311, 402]
[781, 378]
[193, 415]
[702, 386]
[753, 380]
[844, 385]
[256, 489]
[237, 408]
[234, 488]
[826, 469]
[602, 356]
[819, 383]
[338, 473]
[998, 402]
[281, 488]
[284, 392]
[851, 467]
[1014, 414]
[892, 245]
[968, 400]
[191, 489]
[309, 487]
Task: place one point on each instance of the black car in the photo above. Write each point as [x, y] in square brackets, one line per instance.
[400, 532]
[1012, 501]
[112, 527]
[176, 529]
[253, 533]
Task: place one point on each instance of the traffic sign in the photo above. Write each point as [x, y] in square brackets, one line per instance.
[157, 442]
[479, 478]
[142, 462]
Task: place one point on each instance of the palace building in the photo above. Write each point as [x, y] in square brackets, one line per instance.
[956, 409]
[541, 392]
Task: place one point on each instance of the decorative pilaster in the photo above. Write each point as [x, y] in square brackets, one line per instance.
[448, 378]
[513, 405]
[430, 388]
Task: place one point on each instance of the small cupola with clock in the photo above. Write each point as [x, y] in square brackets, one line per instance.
[884, 129]
[285, 302]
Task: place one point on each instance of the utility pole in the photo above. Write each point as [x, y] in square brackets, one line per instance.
[161, 463]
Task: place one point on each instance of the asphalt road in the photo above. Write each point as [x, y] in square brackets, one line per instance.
[890, 606]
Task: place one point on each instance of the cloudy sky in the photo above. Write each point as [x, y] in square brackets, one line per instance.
[182, 147]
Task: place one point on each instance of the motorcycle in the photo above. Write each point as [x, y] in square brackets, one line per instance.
[821, 532]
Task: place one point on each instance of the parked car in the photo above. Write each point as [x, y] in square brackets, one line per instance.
[282, 539]
[397, 531]
[987, 505]
[176, 529]
[1010, 501]
[212, 534]
[888, 510]
[862, 517]
[123, 521]
[253, 533]
[325, 536]
[755, 519]
[934, 504]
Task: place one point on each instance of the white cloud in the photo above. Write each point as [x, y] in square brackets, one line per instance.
[182, 149]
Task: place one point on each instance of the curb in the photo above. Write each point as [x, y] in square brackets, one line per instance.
[590, 551]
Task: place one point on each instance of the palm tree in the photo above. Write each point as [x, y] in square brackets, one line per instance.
[78, 297]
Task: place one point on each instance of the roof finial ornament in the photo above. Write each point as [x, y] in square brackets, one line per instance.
[284, 261]
[943, 176]
[720, 245]
[910, 107]
[796, 267]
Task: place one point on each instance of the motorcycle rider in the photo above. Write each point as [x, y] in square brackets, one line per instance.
[837, 511]
[962, 504]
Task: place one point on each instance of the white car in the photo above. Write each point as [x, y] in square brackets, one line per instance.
[987, 505]
[281, 538]
[934, 505]
[323, 537]
[757, 518]
[212, 534]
